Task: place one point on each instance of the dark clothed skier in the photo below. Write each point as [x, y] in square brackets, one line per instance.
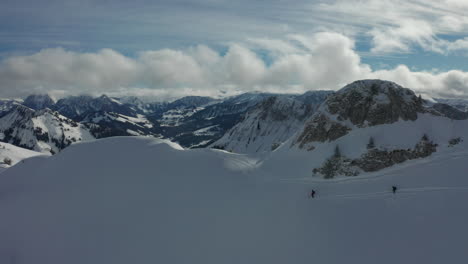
[394, 188]
[312, 193]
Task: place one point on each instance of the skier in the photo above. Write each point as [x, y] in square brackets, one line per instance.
[394, 188]
[312, 193]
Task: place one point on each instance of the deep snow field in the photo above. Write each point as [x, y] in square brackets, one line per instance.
[141, 201]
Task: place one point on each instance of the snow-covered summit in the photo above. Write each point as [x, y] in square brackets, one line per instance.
[361, 104]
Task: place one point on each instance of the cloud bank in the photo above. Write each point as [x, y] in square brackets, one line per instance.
[296, 63]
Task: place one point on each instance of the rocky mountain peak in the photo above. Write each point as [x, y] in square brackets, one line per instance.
[361, 104]
[39, 101]
[374, 102]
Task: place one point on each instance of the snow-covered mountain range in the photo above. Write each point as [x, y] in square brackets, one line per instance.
[192, 121]
[247, 123]
[149, 200]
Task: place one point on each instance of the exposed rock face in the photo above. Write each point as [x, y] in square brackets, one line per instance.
[321, 128]
[377, 159]
[450, 111]
[39, 101]
[374, 102]
[271, 122]
[361, 104]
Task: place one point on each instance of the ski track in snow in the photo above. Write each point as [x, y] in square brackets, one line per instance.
[401, 193]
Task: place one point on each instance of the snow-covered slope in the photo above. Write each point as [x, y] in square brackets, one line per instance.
[43, 130]
[270, 123]
[10, 155]
[107, 124]
[156, 203]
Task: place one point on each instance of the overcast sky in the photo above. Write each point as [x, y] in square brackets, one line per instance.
[210, 47]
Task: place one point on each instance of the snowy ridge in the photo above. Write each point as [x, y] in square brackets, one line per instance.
[10, 155]
[270, 123]
[77, 107]
[7, 104]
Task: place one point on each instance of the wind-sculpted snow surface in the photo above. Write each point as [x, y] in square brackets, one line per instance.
[133, 200]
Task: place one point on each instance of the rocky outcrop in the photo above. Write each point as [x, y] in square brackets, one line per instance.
[377, 159]
[374, 160]
[321, 128]
[375, 102]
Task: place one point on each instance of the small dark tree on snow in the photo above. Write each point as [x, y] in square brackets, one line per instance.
[329, 169]
[258, 125]
[7, 161]
[371, 143]
[337, 153]
[419, 100]
[425, 138]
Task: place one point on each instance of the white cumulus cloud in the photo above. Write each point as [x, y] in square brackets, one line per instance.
[323, 60]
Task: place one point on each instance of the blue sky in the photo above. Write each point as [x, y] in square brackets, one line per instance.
[230, 46]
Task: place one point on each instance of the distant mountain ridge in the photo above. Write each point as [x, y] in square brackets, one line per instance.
[246, 123]
[42, 130]
[192, 121]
